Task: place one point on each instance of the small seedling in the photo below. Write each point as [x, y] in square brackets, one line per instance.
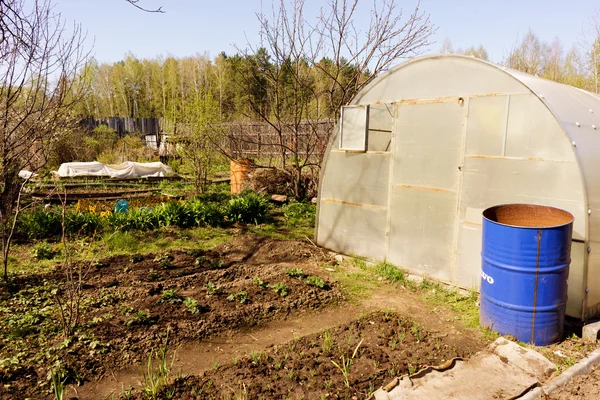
[417, 333]
[170, 296]
[241, 297]
[202, 261]
[280, 288]
[164, 260]
[315, 281]
[259, 282]
[327, 342]
[255, 356]
[192, 305]
[211, 288]
[141, 318]
[345, 363]
[295, 273]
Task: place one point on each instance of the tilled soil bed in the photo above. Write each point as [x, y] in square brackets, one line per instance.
[582, 387]
[133, 304]
[349, 361]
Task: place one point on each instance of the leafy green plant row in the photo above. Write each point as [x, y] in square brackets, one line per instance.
[250, 207]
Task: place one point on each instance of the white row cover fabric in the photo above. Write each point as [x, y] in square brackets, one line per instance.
[24, 174]
[125, 170]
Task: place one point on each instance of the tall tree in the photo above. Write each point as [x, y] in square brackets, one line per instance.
[529, 56]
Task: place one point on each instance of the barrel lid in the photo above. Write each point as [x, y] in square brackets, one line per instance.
[528, 216]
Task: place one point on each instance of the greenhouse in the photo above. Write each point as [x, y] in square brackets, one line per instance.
[424, 149]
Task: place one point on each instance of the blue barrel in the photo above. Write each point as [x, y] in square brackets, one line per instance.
[526, 252]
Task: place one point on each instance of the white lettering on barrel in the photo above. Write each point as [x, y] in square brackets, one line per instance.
[486, 277]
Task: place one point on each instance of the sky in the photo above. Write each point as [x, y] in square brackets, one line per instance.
[187, 27]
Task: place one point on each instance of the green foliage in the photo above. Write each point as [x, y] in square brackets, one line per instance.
[205, 214]
[120, 241]
[299, 214]
[192, 305]
[141, 219]
[390, 273]
[211, 288]
[40, 224]
[249, 207]
[82, 223]
[174, 213]
[280, 288]
[43, 251]
[295, 273]
[155, 377]
[315, 281]
[170, 296]
[164, 260]
[259, 281]
[241, 297]
[141, 318]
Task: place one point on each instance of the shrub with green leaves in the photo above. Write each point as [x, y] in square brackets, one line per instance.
[142, 219]
[77, 223]
[299, 214]
[40, 224]
[250, 207]
[205, 214]
[43, 251]
[174, 213]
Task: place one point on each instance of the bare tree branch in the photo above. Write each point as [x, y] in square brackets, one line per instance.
[135, 4]
[39, 62]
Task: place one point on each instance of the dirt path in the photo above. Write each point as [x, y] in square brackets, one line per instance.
[195, 358]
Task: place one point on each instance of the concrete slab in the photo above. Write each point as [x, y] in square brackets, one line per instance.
[590, 331]
[503, 371]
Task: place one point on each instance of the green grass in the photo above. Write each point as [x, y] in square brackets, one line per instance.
[359, 279]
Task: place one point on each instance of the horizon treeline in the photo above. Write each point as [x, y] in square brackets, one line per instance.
[236, 86]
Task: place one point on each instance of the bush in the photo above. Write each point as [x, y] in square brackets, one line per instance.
[297, 213]
[142, 219]
[82, 223]
[40, 224]
[174, 214]
[248, 207]
[205, 214]
[43, 251]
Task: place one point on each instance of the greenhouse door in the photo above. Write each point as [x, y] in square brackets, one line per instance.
[424, 185]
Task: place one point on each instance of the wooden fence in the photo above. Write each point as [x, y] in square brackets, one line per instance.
[258, 140]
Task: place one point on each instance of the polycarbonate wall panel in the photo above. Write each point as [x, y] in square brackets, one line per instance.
[422, 234]
[424, 187]
[361, 178]
[351, 229]
[487, 125]
[428, 145]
